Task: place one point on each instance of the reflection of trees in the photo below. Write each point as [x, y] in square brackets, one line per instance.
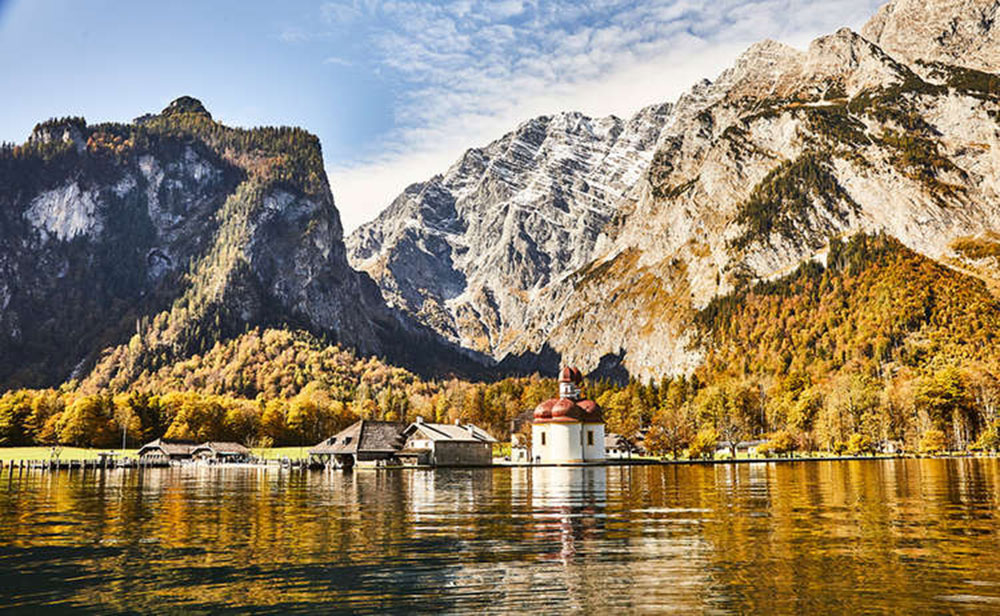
[851, 537]
[796, 537]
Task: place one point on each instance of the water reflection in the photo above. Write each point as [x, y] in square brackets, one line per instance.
[861, 536]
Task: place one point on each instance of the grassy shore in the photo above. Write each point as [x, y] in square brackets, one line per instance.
[81, 453]
[45, 453]
[298, 453]
[277, 453]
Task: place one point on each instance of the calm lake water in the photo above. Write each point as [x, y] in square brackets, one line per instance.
[913, 536]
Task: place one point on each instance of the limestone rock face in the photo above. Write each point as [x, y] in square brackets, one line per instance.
[126, 245]
[958, 32]
[600, 240]
[470, 250]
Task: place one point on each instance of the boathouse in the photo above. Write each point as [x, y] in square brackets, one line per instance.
[167, 449]
[568, 429]
[437, 444]
[363, 443]
[221, 452]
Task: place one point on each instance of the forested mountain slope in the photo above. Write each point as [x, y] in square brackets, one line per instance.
[749, 176]
[134, 245]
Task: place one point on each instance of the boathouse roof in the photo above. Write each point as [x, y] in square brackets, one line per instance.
[449, 432]
[366, 436]
[169, 447]
[222, 448]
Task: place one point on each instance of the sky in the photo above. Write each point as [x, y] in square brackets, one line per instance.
[395, 89]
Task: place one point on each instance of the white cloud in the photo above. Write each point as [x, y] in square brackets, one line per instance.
[338, 61]
[470, 70]
[337, 13]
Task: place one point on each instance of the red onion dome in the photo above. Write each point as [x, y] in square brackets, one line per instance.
[592, 412]
[543, 412]
[566, 411]
[569, 374]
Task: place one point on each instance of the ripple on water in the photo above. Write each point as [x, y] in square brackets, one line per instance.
[902, 536]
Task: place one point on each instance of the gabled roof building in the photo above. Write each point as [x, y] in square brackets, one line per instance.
[363, 443]
[171, 449]
[438, 444]
[221, 452]
[179, 450]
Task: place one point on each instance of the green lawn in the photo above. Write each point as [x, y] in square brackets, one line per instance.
[276, 453]
[45, 453]
[81, 453]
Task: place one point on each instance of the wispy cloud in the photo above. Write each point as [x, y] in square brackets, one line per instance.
[338, 61]
[466, 71]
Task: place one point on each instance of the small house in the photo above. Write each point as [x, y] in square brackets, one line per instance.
[618, 447]
[520, 436]
[221, 452]
[743, 448]
[363, 443]
[438, 444]
[167, 449]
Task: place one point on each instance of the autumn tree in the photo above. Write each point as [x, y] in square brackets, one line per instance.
[704, 443]
[671, 431]
[944, 399]
[88, 422]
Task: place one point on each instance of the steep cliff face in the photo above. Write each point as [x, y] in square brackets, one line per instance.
[791, 149]
[958, 32]
[130, 245]
[752, 174]
[469, 251]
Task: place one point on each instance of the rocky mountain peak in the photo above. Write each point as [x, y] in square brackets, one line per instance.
[67, 130]
[504, 221]
[125, 245]
[959, 32]
[601, 239]
[186, 104]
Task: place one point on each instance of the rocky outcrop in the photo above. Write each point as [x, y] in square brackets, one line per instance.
[957, 32]
[469, 251]
[750, 175]
[131, 245]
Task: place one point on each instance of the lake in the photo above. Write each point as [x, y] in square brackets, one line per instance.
[897, 536]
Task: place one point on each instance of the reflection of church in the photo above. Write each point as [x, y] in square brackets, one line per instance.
[569, 506]
[568, 429]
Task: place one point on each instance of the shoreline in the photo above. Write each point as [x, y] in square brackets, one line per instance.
[713, 462]
[9, 465]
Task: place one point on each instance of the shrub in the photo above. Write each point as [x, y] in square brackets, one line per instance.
[704, 443]
[781, 443]
[989, 440]
[933, 441]
[859, 444]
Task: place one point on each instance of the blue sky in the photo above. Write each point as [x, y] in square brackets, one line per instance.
[396, 90]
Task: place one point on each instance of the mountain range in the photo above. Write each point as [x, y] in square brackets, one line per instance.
[603, 242]
[598, 241]
[124, 247]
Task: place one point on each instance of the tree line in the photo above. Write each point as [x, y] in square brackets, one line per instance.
[879, 346]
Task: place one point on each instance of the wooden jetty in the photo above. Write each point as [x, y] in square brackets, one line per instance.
[97, 464]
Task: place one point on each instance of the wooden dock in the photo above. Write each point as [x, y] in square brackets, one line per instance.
[12, 466]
